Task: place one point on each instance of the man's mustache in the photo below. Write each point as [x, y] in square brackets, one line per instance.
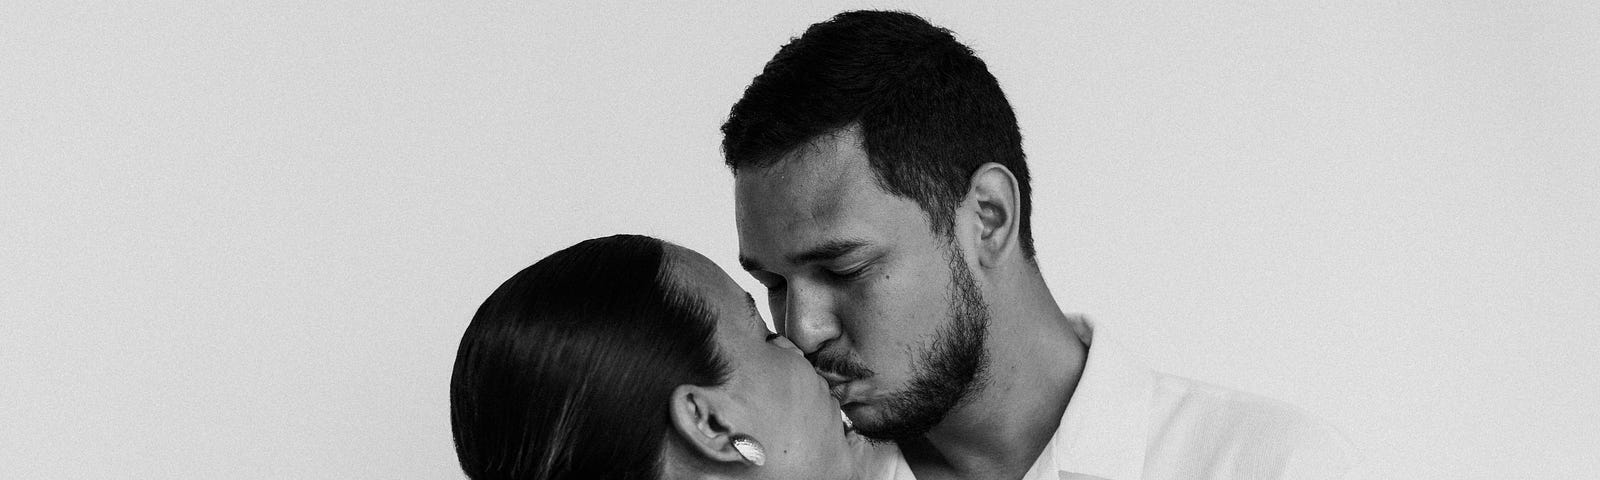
[838, 364]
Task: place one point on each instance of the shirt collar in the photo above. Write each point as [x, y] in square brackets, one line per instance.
[1102, 433]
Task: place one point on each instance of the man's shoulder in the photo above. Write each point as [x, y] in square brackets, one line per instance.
[1240, 433]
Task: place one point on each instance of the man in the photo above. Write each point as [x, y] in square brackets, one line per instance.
[883, 200]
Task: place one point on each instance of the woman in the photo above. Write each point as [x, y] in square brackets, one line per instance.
[628, 357]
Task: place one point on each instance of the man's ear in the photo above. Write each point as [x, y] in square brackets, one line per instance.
[701, 418]
[993, 195]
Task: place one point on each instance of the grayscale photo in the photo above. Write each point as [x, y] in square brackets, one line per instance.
[830, 240]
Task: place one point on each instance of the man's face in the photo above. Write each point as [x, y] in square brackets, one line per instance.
[883, 307]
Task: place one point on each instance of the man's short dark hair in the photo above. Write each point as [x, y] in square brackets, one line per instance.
[929, 111]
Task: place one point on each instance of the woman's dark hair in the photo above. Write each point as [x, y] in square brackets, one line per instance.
[929, 111]
[567, 369]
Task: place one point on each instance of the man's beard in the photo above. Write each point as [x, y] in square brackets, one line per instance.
[948, 371]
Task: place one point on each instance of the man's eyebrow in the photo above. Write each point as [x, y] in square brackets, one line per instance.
[828, 251]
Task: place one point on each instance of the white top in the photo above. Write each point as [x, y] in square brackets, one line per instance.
[1127, 422]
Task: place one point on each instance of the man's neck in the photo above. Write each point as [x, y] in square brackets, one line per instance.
[999, 431]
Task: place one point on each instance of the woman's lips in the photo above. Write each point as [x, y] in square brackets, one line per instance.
[840, 391]
[834, 378]
[838, 385]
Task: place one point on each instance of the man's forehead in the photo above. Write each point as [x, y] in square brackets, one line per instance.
[810, 184]
[783, 239]
[780, 225]
[791, 208]
[820, 167]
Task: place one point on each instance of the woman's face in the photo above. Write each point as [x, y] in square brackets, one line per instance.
[797, 422]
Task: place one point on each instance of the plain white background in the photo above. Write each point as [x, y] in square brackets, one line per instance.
[242, 240]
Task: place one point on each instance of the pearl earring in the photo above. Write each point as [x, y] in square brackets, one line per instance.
[750, 449]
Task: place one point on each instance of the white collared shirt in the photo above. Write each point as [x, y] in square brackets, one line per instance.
[1127, 422]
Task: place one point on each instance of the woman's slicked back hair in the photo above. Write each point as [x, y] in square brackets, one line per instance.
[567, 369]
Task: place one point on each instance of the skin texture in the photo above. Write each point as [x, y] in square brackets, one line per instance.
[772, 396]
[873, 318]
[879, 299]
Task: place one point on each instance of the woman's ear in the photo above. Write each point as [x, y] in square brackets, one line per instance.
[701, 418]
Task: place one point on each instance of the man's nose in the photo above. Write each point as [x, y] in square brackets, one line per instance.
[809, 321]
